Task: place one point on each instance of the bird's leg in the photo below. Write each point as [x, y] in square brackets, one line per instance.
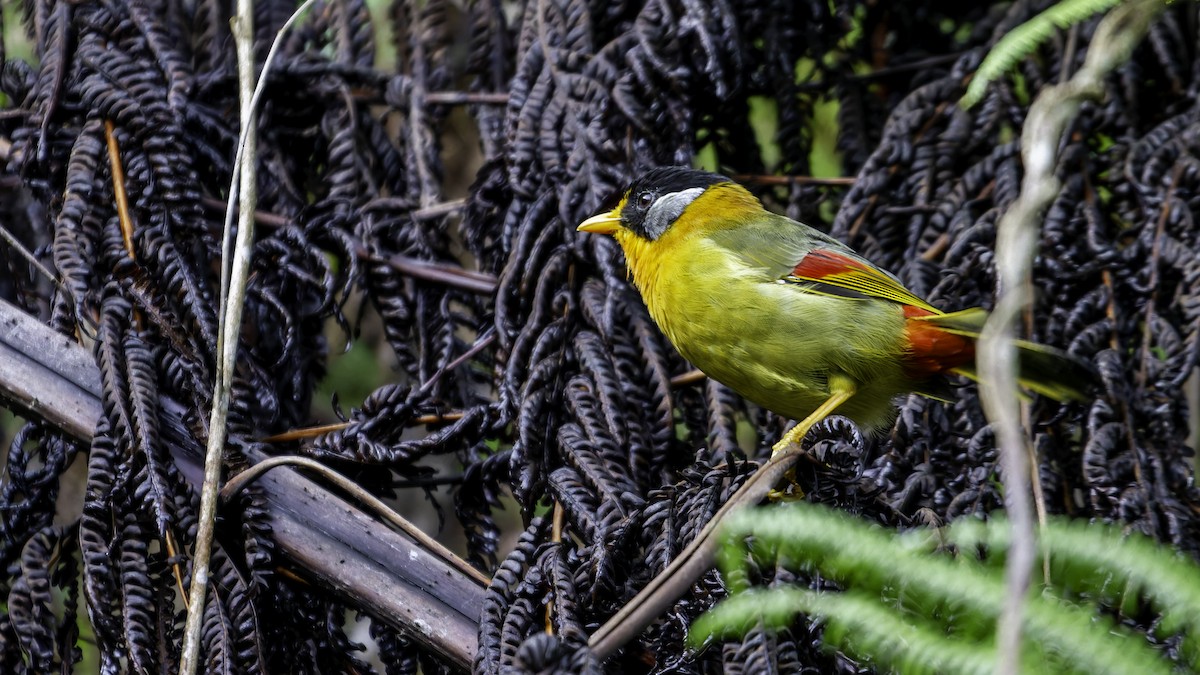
[841, 388]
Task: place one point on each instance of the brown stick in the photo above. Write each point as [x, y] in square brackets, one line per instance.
[118, 179]
[690, 377]
[691, 563]
[449, 275]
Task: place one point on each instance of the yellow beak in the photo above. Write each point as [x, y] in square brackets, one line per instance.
[604, 223]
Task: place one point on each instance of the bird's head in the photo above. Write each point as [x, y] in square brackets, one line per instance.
[670, 199]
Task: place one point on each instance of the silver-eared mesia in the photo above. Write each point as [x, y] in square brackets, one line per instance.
[789, 317]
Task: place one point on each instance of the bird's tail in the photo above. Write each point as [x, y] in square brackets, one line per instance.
[1040, 369]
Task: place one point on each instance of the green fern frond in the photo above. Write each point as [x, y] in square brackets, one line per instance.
[1025, 39]
[857, 623]
[1098, 557]
[961, 598]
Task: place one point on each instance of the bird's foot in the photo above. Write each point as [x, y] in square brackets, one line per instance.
[789, 439]
[790, 491]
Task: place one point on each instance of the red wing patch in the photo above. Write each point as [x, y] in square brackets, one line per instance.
[854, 276]
[821, 263]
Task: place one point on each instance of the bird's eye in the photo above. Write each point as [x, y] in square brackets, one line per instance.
[645, 199]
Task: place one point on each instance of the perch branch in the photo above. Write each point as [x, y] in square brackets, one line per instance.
[696, 559]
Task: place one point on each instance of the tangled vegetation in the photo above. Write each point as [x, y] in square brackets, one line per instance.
[522, 353]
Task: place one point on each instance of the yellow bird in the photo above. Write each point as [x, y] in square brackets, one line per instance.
[791, 318]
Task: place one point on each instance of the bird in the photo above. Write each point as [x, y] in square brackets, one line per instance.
[791, 318]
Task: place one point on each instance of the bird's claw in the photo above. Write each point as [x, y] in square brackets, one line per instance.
[791, 492]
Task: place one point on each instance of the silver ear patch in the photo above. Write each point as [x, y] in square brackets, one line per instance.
[667, 209]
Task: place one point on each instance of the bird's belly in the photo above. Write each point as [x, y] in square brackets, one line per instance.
[776, 346]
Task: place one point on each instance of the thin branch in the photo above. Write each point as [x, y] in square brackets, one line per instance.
[1016, 244]
[428, 213]
[428, 482]
[904, 68]
[556, 534]
[761, 179]
[481, 343]
[464, 97]
[273, 220]
[28, 256]
[118, 180]
[320, 430]
[233, 290]
[176, 567]
[690, 377]
[440, 97]
[937, 248]
[305, 432]
[439, 210]
[449, 275]
[235, 484]
[421, 214]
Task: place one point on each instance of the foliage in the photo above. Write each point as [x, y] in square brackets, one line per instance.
[1023, 40]
[927, 601]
